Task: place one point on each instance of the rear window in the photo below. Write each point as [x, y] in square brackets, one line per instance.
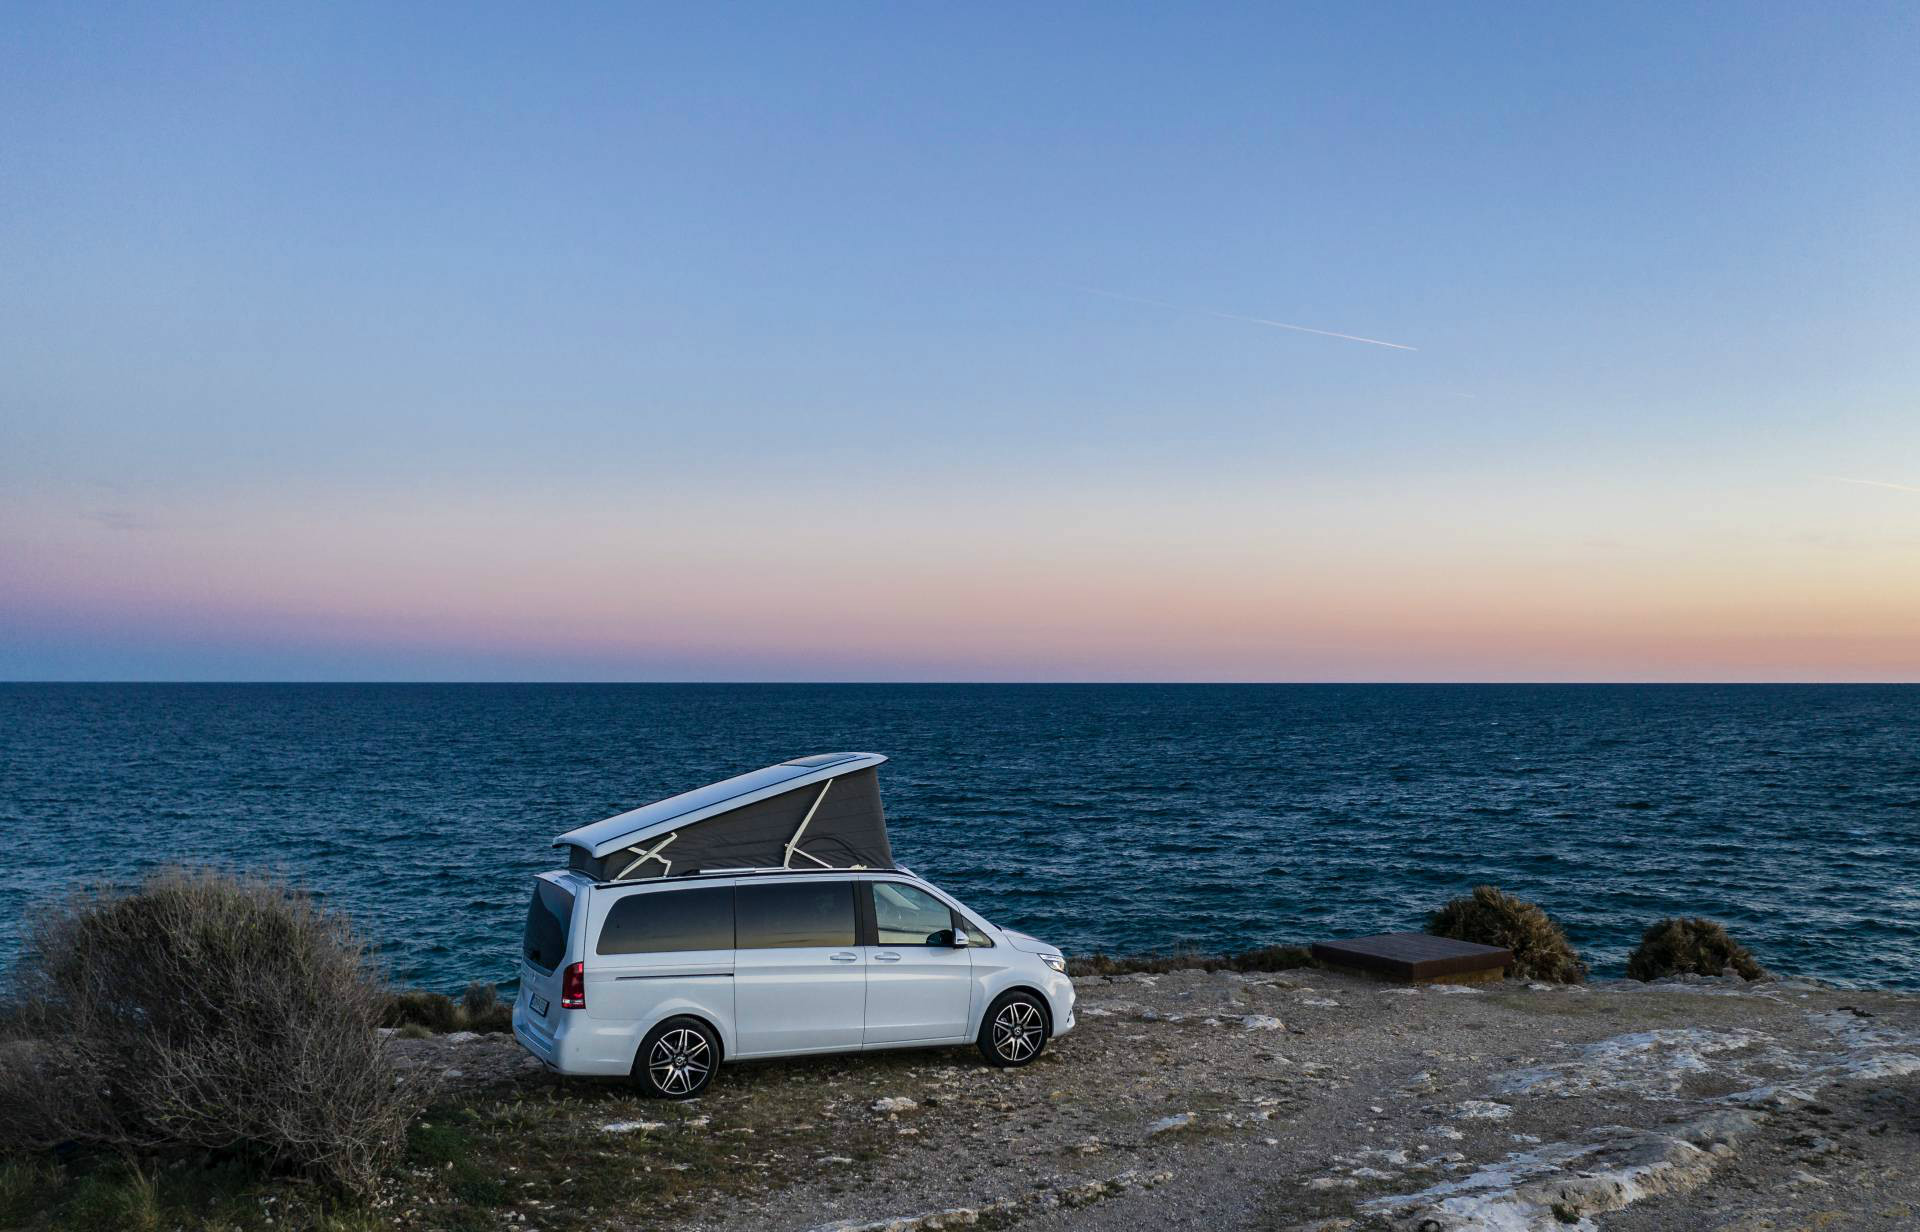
[665, 921]
[549, 917]
[794, 915]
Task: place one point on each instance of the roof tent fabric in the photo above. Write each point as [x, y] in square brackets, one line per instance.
[809, 813]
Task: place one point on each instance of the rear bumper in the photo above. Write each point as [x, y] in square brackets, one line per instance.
[543, 1046]
[570, 1045]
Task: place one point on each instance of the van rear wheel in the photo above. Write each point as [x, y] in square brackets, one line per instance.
[677, 1059]
[1014, 1030]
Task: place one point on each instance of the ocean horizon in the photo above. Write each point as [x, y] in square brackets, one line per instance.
[1114, 817]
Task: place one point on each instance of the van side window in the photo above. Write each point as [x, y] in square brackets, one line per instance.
[667, 921]
[906, 915]
[793, 915]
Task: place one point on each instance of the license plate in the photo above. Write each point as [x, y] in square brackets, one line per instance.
[539, 1004]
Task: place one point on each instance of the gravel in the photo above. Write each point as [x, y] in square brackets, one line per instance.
[1317, 1102]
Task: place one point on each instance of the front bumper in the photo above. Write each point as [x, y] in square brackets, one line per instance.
[1059, 990]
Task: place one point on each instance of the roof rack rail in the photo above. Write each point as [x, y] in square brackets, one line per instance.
[702, 873]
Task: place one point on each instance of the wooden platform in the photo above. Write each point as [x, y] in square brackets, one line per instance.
[1416, 958]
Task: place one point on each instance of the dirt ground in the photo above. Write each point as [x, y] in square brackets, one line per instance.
[1300, 1101]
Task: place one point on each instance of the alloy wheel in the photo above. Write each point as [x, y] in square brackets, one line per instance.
[1017, 1031]
[679, 1061]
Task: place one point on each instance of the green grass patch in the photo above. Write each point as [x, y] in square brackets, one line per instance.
[116, 1199]
[534, 1148]
[103, 1193]
[436, 1142]
[27, 1187]
[448, 1145]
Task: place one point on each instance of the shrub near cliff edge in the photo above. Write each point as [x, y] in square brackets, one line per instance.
[203, 1010]
[1690, 947]
[418, 1013]
[1489, 917]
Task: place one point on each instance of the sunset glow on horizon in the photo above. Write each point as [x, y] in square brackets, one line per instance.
[876, 346]
[1434, 584]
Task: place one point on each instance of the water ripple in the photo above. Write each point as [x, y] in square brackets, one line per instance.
[1120, 817]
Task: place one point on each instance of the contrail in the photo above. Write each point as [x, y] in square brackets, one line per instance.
[1234, 316]
[1873, 483]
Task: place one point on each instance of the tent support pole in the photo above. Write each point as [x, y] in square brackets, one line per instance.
[651, 853]
[793, 844]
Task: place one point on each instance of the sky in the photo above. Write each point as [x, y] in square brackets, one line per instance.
[983, 342]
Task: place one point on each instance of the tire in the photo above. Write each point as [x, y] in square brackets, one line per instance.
[677, 1059]
[1014, 1030]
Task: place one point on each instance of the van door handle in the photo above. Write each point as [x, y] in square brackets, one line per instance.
[845, 957]
[886, 958]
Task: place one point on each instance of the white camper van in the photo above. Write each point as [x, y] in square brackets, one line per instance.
[763, 916]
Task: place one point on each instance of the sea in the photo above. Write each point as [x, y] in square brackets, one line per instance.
[1116, 818]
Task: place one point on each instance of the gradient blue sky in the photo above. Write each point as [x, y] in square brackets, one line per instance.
[894, 342]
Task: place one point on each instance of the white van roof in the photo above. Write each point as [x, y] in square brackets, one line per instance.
[637, 827]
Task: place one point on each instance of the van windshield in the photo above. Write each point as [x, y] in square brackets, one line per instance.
[549, 919]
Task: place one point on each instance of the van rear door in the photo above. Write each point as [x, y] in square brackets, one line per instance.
[543, 950]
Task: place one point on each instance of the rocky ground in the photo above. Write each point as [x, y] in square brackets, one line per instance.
[1308, 1101]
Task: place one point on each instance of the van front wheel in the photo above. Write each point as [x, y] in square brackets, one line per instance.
[677, 1059]
[1014, 1030]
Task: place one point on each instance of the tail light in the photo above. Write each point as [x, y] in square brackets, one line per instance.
[573, 987]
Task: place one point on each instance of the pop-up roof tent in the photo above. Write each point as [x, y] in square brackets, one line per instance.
[811, 812]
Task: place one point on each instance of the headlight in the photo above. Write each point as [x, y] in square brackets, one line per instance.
[1056, 962]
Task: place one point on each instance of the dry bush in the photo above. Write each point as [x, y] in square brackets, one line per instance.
[1489, 917]
[433, 1010]
[484, 1010]
[478, 1009]
[480, 1001]
[1690, 947]
[1265, 958]
[203, 1010]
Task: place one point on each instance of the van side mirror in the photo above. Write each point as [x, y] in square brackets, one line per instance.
[955, 938]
